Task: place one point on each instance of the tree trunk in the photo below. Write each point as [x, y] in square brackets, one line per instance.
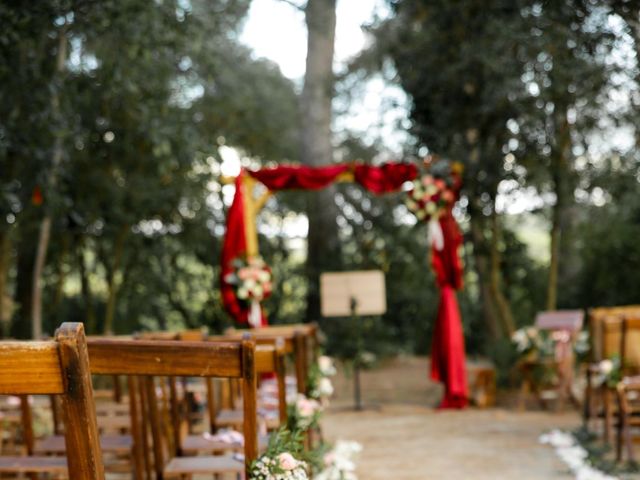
[113, 283]
[85, 288]
[323, 241]
[560, 173]
[58, 297]
[36, 282]
[500, 300]
[5, 252]
[26, 254]
[482, 261]
[45, 226]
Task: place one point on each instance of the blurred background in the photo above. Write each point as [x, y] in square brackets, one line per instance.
[119, 120]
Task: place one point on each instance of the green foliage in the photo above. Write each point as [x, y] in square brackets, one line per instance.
[147, 94]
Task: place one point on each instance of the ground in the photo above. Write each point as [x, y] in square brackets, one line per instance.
[405, 438]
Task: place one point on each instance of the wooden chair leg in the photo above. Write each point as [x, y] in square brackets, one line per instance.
[608, 414]
[620, 431]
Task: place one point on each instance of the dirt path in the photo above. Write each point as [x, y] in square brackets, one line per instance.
[404, 438]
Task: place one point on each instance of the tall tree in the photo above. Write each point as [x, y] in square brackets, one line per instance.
[317, 94]
[459, 61]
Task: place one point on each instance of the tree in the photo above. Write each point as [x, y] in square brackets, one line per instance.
[323, 242]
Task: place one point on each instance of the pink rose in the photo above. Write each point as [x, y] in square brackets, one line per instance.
[447, 196]
[244, 273]
[427, 180]
[329, 459]
[287, 462]
[307, 407]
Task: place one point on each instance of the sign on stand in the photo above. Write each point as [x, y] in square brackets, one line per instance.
[354, 294]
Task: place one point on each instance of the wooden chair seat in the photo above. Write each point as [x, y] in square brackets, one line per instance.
[227, 418]
[106, 409]
[116, 422]
[120, 444]
[33, 464]
[197, 443]
[208, 464]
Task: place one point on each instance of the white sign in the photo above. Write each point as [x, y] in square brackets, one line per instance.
[366, 287]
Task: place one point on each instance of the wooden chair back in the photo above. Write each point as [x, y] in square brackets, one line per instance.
[59, 367]
[300, 339]
[149, 358]
[610, 336]
[596, 317]
[630, 344]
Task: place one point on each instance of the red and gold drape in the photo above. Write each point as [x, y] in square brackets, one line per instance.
[448, 354]
[447, 348]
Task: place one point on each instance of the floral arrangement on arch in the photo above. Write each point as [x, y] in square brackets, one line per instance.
[251, 279]
[436, 190]
[319, 386]
[281, 461]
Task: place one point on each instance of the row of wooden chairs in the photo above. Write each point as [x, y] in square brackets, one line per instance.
[142, 362]
[615, 332]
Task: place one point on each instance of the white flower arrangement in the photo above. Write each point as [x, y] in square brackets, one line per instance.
[326, 366]
[573, 455]
[527, 339]
[325, 387]
[609, 372]
[284, 466]
[319, 385]
[339, 462]
[281, 459]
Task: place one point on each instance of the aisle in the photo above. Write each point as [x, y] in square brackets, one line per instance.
[406, 439]
[417, 443]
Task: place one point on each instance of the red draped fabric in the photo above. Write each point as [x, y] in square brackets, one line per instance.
[234, 245]
[385, 178]
[308, 178]
[388, 177]
[447, 350]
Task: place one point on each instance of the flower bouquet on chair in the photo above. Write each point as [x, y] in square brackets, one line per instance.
[281, 461]
[252, 283]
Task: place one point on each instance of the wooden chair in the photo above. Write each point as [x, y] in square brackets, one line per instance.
[268, 359]
[627, 390]
[113, 444]
[562, 326]
[301, 341]
[598, 345]
[59, 367]
[151, 359]
[611, 337]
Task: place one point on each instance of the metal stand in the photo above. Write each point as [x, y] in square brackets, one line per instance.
[357, 390]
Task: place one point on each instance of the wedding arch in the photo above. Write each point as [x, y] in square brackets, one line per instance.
[241, 242]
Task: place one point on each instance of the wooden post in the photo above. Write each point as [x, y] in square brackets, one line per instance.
[81, 428]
